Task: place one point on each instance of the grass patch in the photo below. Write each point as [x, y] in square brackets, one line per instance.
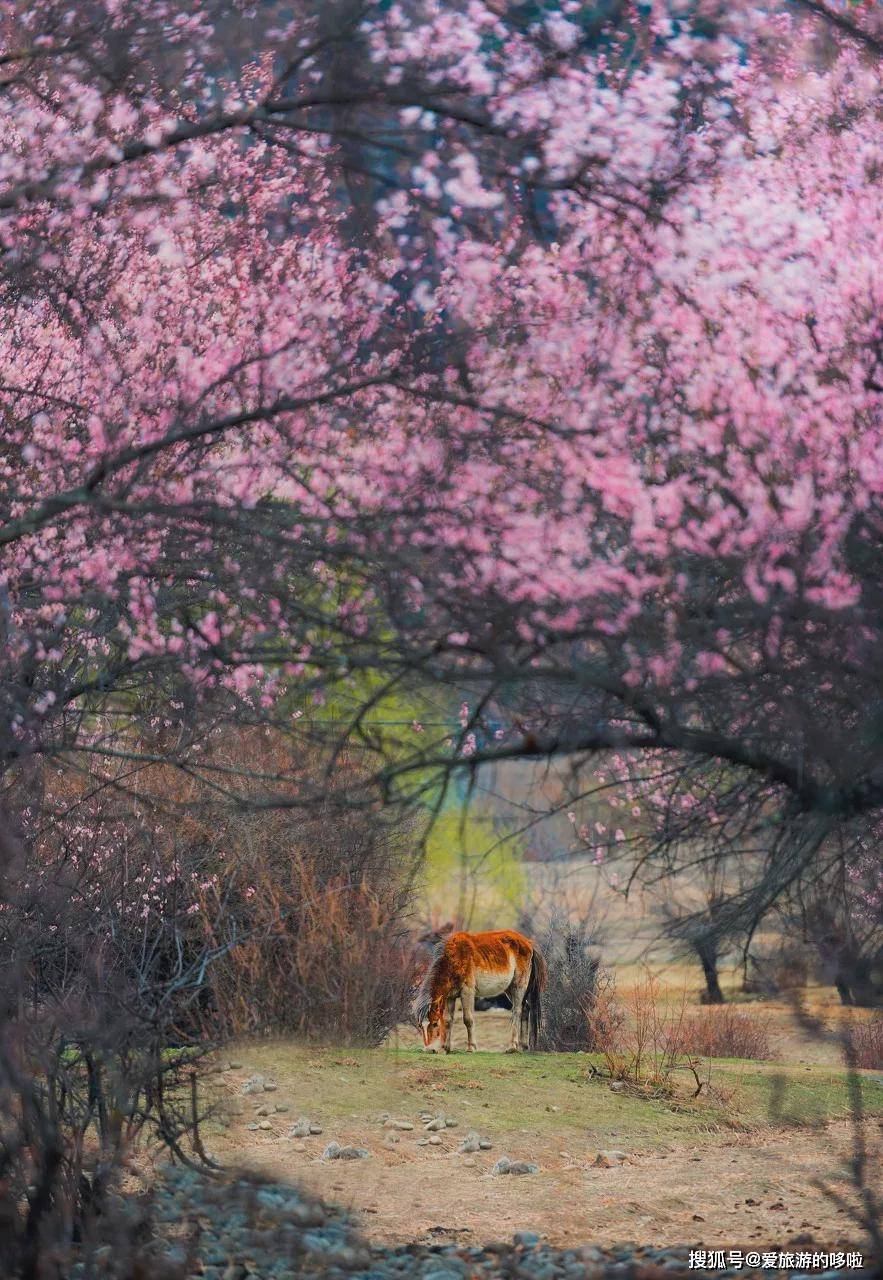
[549, 1094]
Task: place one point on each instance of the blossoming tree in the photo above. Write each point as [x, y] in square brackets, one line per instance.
[537, 358]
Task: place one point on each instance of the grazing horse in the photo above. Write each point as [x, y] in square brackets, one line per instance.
[481, 964]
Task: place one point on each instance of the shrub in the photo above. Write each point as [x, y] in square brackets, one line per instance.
[726, 1032]
[326, 958]
[866, 1043]
[640, 1035]
[774, 970]
[575, 982]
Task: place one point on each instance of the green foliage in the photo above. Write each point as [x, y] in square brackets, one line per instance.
[471, 875]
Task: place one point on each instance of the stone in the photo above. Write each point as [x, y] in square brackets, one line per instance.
[315, 1128]
[436, 1124]
[252, 1127]
[265, 1111]
[254, 1084]
[451, 1124]
[353, 1153]
[301, 1128]
[470, 1143]
[332, 1151]
[502, 1166]
[270, 1086]
[265, 1124]
[608, 1159]
[485, 1144]
[523, 1166]
[434, 1141]
[403, 1125]
[526, 1239]
[617, 1086]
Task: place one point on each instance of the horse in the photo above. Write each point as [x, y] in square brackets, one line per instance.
[470, 965]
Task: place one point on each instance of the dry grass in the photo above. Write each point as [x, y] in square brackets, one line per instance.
[727, 1031]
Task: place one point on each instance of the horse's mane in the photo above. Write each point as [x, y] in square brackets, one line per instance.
[424, 994]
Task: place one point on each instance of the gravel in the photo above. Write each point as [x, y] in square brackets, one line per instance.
[251, 1229]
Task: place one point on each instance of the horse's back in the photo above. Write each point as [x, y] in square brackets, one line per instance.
[489, 961]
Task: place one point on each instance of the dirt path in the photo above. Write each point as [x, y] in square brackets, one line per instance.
[742, 1191]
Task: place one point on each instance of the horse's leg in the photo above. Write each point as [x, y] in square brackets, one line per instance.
[449, 1013]
[467, 999]
[516, 995]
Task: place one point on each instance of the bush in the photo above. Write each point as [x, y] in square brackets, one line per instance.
[575, 981]
[866, 1043]
[774, 970]
[641, 1034]
[726, 1032]
[327, 959]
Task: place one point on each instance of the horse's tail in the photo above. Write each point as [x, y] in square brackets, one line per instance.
[533, 1003]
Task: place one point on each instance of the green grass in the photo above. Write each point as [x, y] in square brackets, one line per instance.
[551, 1095]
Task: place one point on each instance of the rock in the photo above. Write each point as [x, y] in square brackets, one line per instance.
[451, 1124]
[434, 1141]
[422, 1142]
[485, 1144]
[252, 1127]
[617, 1086]
[302, 1128]
[404, 1125]
[298, 1146]
[282, 1106]
[607, 1159]
[502, 1166]
[270, 1086]
[235, 1271]
[265, 1111]
[470, 1143]
[254, 1084]
[315, 1128]
[526, 1239]
[435, 1125]
[265, 1124]
[469, 1163]
[523, 1166]
[334, 1151]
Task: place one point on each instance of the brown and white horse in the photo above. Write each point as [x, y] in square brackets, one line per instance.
[467, 965]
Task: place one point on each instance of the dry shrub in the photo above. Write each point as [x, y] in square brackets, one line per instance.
[576, 982]
[302, 913]
[328, 959]
[774, 970]
[641, 1035]
[726, 1032]
[866, 1043]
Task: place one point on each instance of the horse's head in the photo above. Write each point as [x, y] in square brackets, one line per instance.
[434, 1027]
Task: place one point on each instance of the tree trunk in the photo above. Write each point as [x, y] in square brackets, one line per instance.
[707, 954]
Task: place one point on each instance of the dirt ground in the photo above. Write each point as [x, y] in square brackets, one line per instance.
[691, 1176]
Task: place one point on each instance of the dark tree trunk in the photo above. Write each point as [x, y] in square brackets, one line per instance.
[707, 954]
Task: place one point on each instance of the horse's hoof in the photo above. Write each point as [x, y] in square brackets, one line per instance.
[513, 1048]
[470, 1048]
